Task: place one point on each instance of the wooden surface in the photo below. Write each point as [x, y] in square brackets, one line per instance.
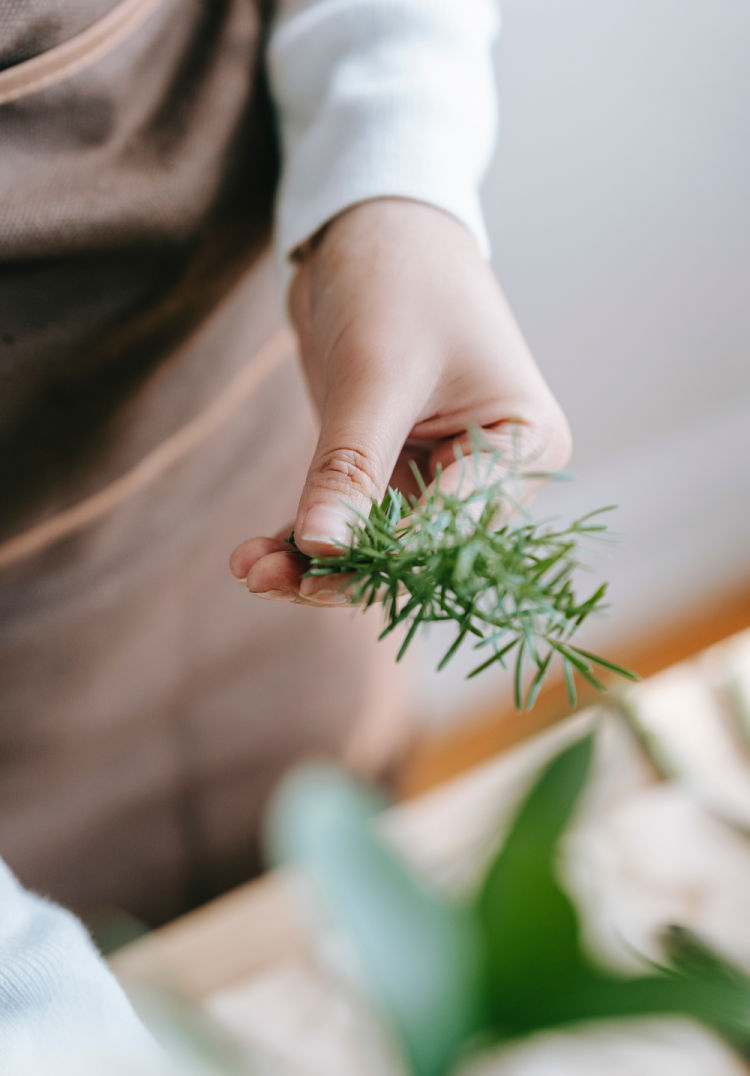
[239, 934]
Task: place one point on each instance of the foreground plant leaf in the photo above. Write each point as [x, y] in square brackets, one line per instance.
[537, 974]
[528, 923]
[450, 975]
[419, 951]
[507, 587]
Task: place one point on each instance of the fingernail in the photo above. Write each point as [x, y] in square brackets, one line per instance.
[326, 597]
[310, 587]
[327, 525]
[272, 595]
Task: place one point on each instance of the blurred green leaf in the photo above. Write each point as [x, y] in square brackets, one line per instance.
[720, 1003]
[528, 922]
[689, 953]
[508, 962]
[420, 953]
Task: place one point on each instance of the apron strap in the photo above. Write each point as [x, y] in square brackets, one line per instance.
[79, 52]
[179, 444]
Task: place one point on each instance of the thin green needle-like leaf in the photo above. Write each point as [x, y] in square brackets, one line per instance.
[418, 478]
[595, 512]
[452, 648]
[444, 551]
[498, 658]
[536, 684]
[570, 684]
[589, 677]
[518, 676]
[409, 636]
[606, 664]
[574, 659]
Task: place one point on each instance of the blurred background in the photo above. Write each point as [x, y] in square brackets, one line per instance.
[617, 206]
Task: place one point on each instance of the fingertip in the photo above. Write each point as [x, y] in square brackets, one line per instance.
[278, 570]
[327, 589]
[322, 530]
[249, 552]
[236, 560]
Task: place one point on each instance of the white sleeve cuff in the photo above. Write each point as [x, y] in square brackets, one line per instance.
[382, 98]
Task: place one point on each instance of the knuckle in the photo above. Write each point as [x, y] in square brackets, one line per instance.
[541, 441]
[548, 446]
[560, 442]
[344, 468]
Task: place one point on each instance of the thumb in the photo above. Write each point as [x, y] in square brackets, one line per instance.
[363, 428]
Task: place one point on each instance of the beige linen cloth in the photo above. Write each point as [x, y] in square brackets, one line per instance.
[151, 416]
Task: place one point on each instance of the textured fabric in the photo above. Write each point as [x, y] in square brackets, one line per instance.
[58, 1000]
[382, 97]
[148, 701]
[132, 197]
[31, 27]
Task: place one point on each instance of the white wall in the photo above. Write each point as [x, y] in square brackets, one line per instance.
[619, 209]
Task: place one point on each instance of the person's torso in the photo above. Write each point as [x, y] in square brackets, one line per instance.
[137, 173]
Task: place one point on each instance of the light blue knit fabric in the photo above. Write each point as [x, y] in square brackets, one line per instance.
[59, 1003]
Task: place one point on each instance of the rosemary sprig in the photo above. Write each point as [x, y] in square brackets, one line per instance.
[508, 586]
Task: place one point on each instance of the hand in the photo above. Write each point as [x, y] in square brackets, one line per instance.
[407, 342]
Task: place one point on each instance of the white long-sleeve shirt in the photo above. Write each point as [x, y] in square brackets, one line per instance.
[375, 98]
[381, 98]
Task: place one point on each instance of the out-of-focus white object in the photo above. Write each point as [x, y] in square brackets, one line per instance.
[634, 1048]
[656, 859]
[297, 1023]
[674, 851]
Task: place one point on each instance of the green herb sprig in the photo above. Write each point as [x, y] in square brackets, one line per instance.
[507, 585]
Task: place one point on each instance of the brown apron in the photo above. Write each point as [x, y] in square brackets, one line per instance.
[151, 416]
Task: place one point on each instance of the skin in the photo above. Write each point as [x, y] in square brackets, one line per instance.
[407, 342]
